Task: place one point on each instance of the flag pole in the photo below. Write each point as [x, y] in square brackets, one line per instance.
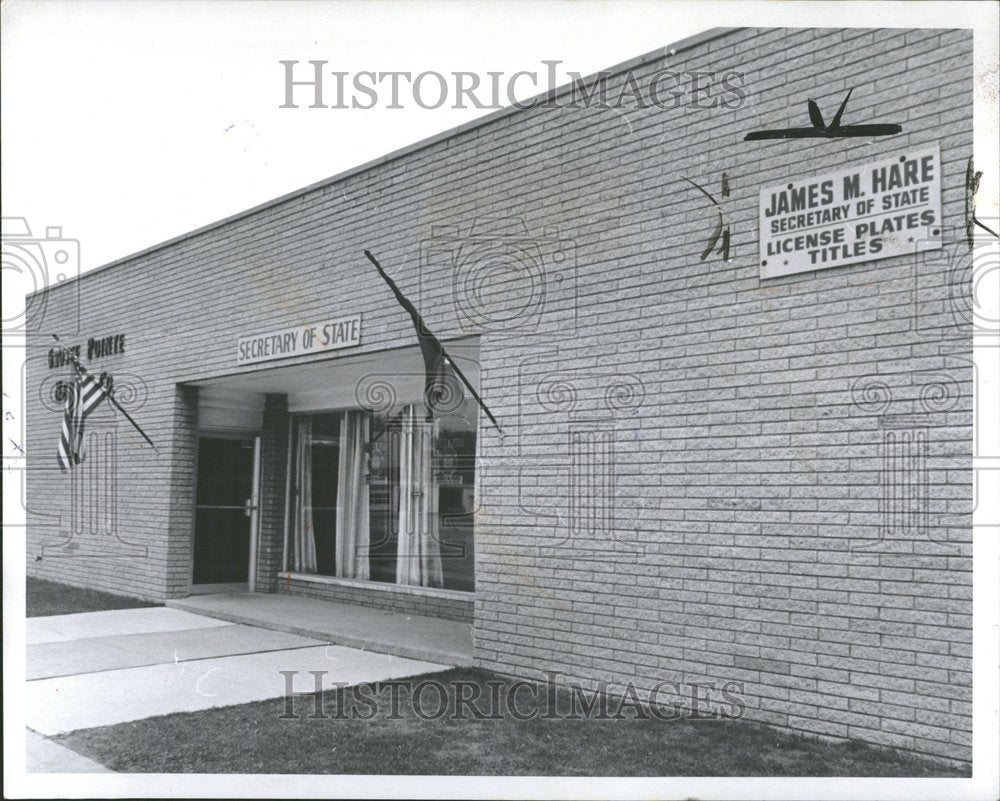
[109, 394]
[480, 401]
[423, 330]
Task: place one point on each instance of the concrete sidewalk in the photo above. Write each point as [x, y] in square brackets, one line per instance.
[412, 636]
[84, 625]
[45, 756]
[95, 654]
[67, 703]
[103, 668]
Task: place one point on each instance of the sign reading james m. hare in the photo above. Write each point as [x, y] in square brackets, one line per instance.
[872, 211]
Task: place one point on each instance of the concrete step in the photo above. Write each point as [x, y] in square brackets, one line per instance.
[412, 636]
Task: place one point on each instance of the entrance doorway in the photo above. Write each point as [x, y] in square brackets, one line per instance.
[225, 513]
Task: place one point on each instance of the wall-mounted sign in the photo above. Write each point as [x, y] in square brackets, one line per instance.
[872, 211]
[344, 332]
[97, 348]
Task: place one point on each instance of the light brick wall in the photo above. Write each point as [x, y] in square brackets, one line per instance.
[274, 466]
[181, 489]
[690, 485]
[450, 608]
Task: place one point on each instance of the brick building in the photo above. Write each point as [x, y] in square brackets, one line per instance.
[705, 468]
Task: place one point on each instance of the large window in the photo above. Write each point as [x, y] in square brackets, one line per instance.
[385, 497]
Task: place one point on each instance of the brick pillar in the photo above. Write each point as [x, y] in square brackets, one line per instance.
[274, 464]
[183, 458]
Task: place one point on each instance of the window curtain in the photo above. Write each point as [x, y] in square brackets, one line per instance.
[418, 559]
[304, 545]
[352, 538]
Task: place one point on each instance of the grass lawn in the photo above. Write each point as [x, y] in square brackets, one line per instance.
[253, 738]
[44, 598]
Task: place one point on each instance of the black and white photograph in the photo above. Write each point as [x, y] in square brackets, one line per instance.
[439, 399]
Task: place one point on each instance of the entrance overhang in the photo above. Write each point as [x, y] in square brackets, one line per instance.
[370, 380]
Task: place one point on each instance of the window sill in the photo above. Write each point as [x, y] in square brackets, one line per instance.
[381, 586]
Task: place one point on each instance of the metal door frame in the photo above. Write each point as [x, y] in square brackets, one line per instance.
[254, 509]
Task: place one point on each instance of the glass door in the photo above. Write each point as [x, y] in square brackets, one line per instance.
[225, 510]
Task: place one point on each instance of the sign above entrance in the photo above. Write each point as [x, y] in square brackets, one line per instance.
[872, 211]
[302, 340]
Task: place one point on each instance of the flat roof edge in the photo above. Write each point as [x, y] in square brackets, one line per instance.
[667, 50]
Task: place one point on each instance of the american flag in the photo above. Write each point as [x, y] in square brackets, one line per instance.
[82, 397]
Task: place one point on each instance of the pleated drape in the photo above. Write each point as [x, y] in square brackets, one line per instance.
[352, 498]
[418, 559]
